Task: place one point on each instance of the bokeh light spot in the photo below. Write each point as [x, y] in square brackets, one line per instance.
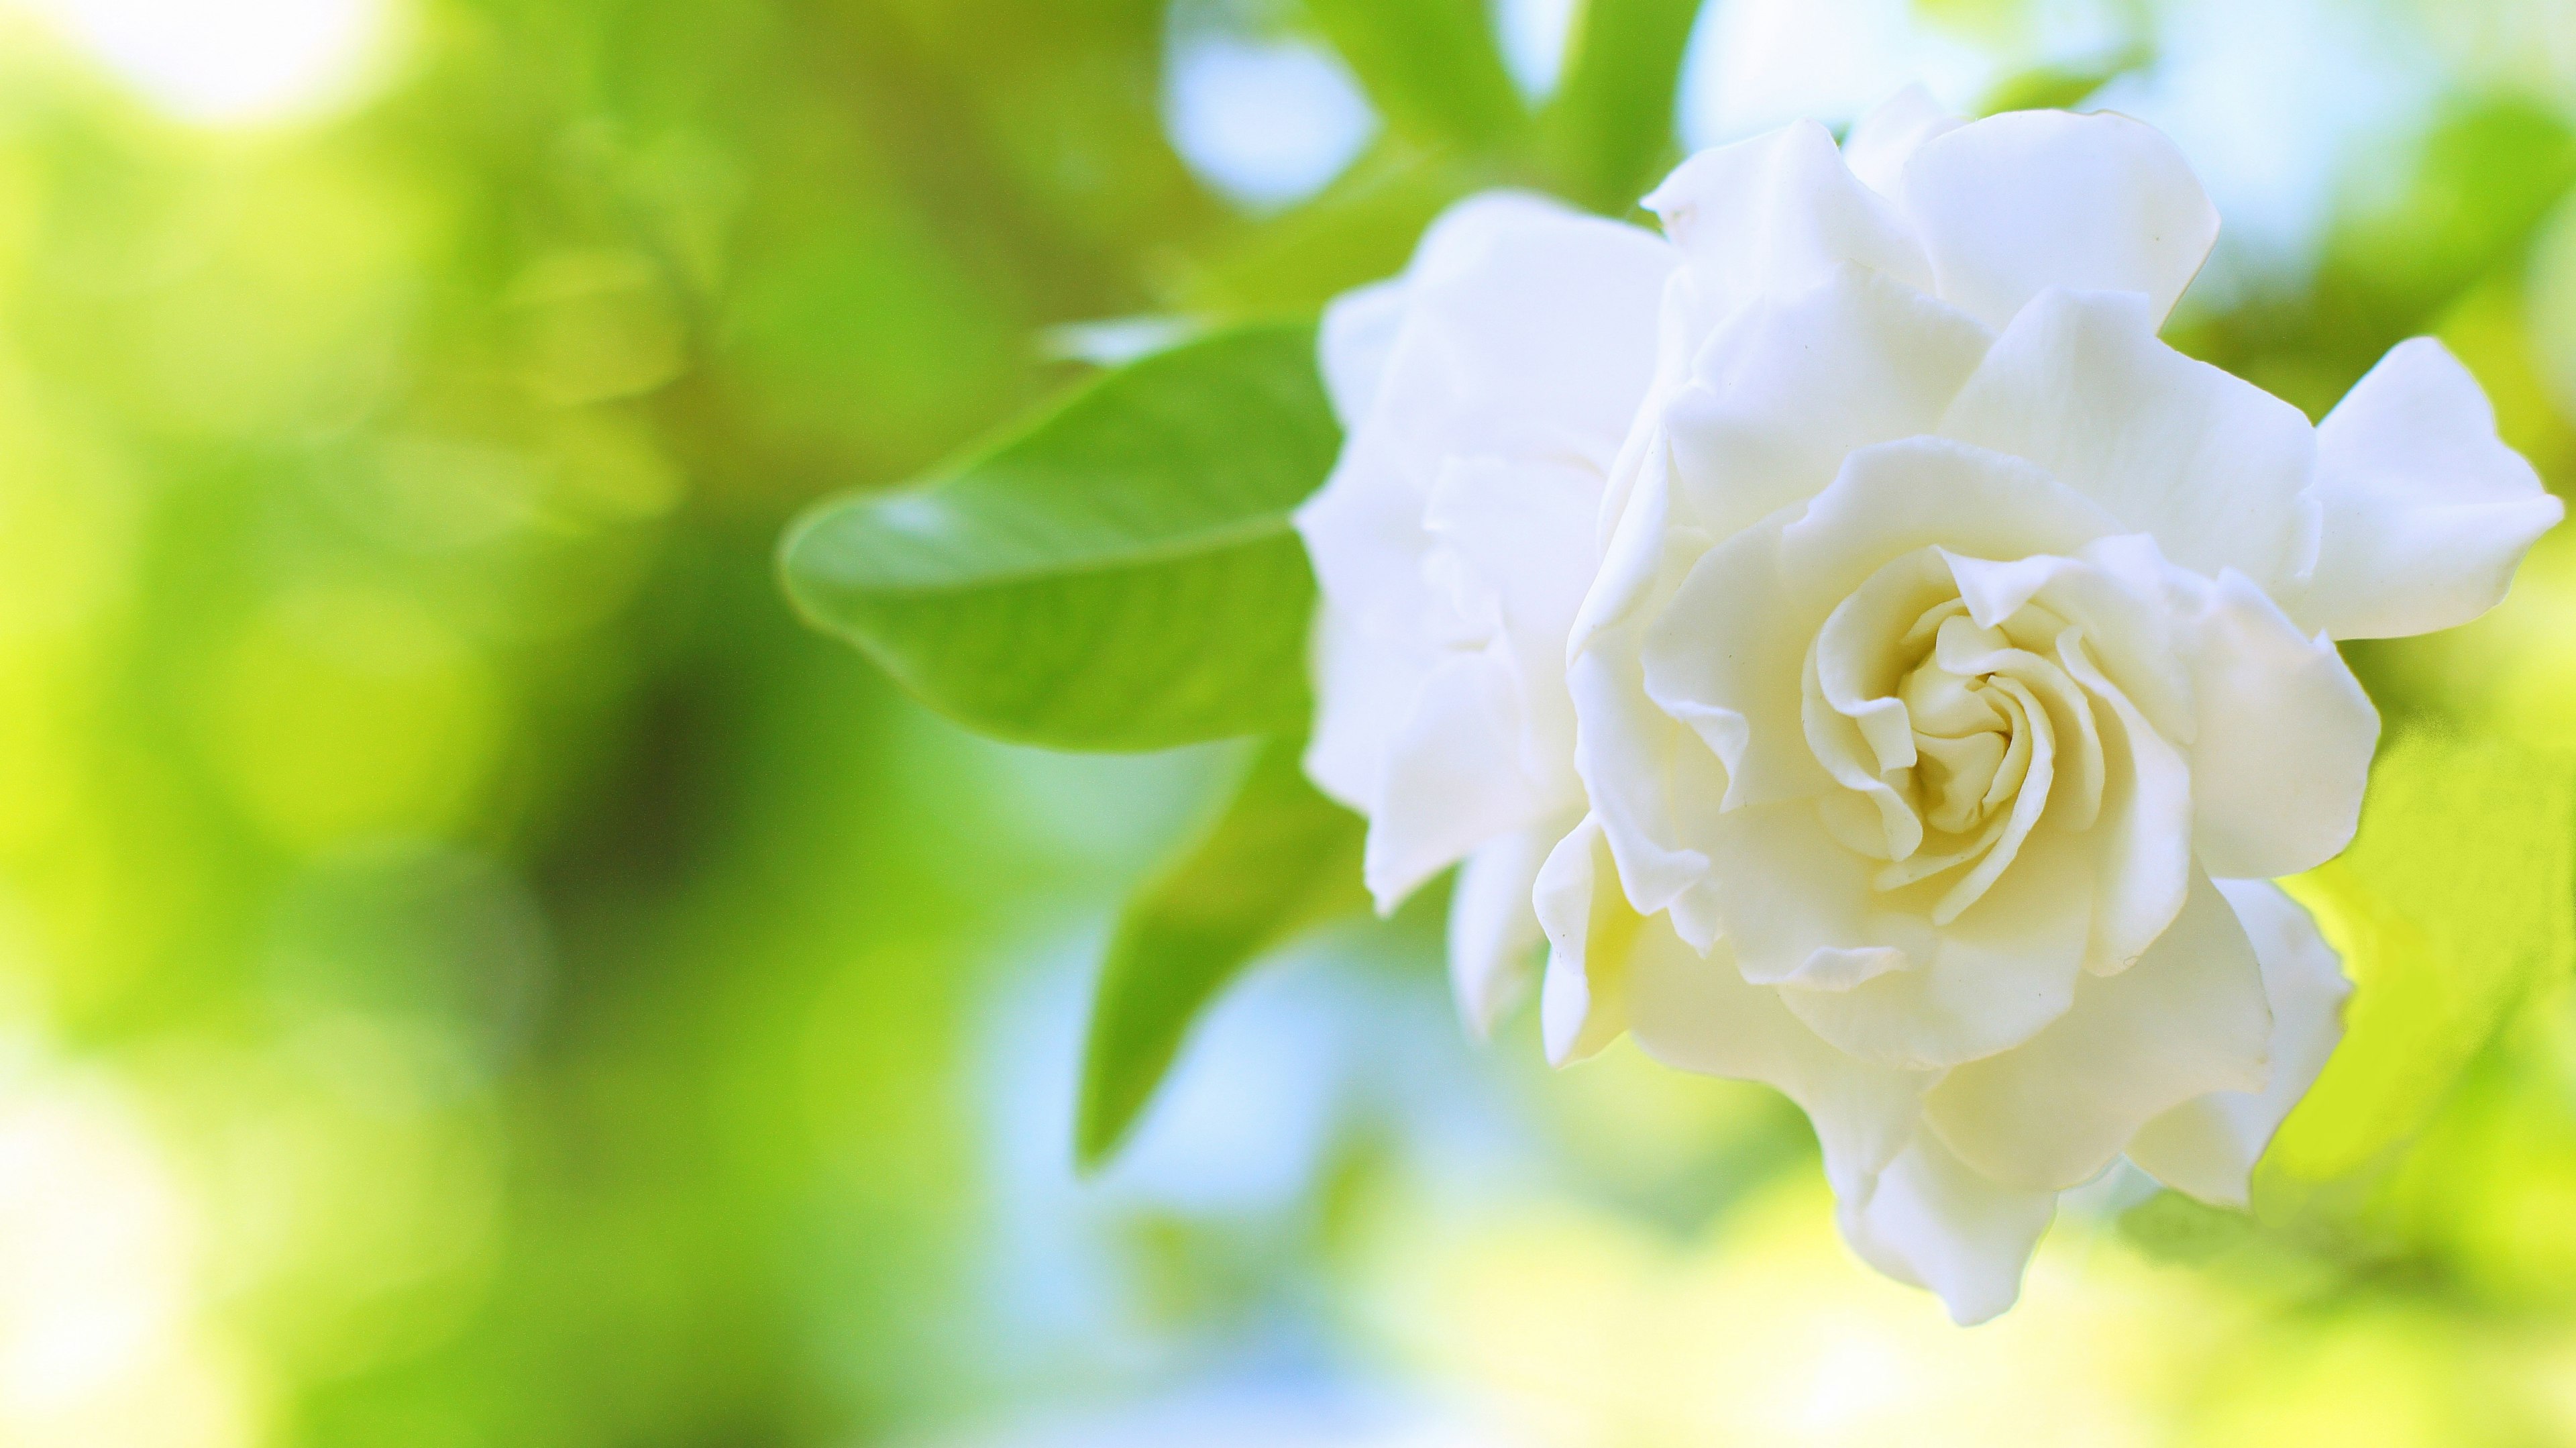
[231, 61]
[1266, 120]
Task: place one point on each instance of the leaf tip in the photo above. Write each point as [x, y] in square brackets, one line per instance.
[1101, 1127]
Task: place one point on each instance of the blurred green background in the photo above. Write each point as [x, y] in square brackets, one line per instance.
[473, 970]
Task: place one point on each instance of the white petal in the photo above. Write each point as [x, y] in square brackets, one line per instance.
[1728, 656]
[1651, 785]
[1798, 906]
[1520, 532]
[1780, 212]
[2207, 1146]
[2426, 513]
[1629, 754]
[1455, 240]
[2284, 739]
[1452, 778]
[2142, 832]
[1526, 333]
[2014, 204]
[1357, 334]
[2189, 1018]
[1526, 330]
[1364, 535]
[1854, 726]
[1696, 1013]
[1933, 1221]
[1881, 142]
[1632, 757]
[1365, 685]
[2212, 466]
[1590, 933]
[1493, 927]
[1525, 529]
[1543, 318]
[1796, 381]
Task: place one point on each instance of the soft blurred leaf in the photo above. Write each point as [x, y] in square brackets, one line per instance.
[2171, 1227]
[2453, 901]
[1282, 857]
[1430, 65]
[1119, 575]
[2060, 87]
[2479, 185]
[1359, 230]
[2419, 227]
[1609, 129]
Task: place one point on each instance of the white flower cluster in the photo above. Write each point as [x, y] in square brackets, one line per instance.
[1876, 663]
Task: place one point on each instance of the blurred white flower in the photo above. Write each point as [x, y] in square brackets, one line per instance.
[1951, 640]
[1485, 394]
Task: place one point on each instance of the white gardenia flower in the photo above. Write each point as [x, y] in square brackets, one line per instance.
[1956, 665]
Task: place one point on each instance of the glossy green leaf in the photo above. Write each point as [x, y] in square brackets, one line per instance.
[1431, 66]
[1281, 858]
[1121, 574]
[2456, 898]
[1609, 130]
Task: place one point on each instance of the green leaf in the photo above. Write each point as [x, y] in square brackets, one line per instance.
[1609, 130]
[1431, 66]
[1280, 859]
[2456, 898]
[1118, 575]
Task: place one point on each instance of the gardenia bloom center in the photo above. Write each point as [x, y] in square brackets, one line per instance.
[1949, 734]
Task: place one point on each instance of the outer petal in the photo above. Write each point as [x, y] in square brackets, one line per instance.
[1519, 536]
[1639, 768]
[1796, 381]
[1525, 330]
[2426, 512]
[2014, 204]
[1934, 1222]
[1631, 756]
[1358, 332]
[2186, 1020]
[1590, 933]
[1881, 142]
[1522, 332]
[1695, 1013]
[1493, 928]
[1365, 685]
[2207, 1146]
[1438, 799]
[1778, 213]
[2284, 738]
[1543, 318]
[1364, 535]
[2213, 466]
